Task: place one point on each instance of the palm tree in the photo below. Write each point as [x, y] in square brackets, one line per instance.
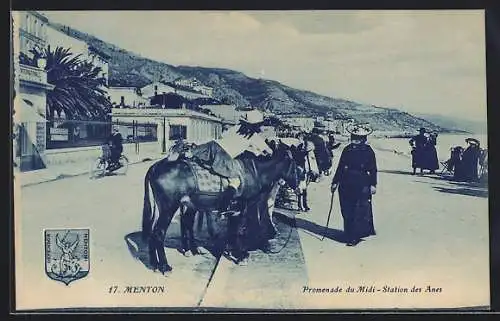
[78, 85]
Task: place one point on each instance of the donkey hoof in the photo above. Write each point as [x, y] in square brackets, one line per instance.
[199, 250]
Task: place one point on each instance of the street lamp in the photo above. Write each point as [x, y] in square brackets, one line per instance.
[164, 143]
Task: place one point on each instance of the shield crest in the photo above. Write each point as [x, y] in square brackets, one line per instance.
[67, 254]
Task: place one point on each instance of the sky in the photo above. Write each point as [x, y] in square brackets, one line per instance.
[416, 61]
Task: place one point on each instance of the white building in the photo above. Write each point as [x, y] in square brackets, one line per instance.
[30, 85]
[57, 38]
[230, 114]
[304, 122]
[156, 88]
[32, 28]
[127, 97]
[190, 94]
[195, 85]
[205, 90]
[172, 124]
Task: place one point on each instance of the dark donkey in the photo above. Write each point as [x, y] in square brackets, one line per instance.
[170, 182]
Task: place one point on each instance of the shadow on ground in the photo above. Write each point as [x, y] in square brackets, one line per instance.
[321, 231]
[397, 172]
[216, 244]
[138, 247]
[465, 190]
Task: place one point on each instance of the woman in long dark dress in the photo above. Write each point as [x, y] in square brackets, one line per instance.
[470, 160]
[356, 179]
[432, 161]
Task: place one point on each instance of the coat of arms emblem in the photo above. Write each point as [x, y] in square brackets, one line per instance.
[67, 254]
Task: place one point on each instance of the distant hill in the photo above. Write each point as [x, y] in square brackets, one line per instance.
[455, 123]
[129, 69]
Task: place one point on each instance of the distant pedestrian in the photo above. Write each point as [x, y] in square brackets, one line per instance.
[116, 146]
[418, 144]
[356, 179]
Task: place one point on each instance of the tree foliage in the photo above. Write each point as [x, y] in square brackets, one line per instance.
[79, 87]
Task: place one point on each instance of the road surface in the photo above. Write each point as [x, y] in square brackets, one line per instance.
[430, 232]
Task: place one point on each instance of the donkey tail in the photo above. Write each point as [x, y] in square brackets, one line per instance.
[147, 211]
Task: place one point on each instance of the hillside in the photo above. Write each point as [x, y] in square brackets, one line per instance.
[129, 69]
[455, 123]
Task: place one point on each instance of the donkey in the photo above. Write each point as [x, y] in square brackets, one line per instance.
[170, 184]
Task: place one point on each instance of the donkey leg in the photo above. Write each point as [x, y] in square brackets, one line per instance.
[242, 239]
[190, 229]
[184, 229]
[210, 224]
[153, 258]
[159, 235]
[304, 201]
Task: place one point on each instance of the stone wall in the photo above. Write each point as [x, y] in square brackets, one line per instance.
[86, 154]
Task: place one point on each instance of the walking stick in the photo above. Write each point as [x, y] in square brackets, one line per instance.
[328, 219]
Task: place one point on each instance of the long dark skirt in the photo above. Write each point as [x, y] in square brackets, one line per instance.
[425, 158]
[417, 158]
[356, 207]
[432, 161]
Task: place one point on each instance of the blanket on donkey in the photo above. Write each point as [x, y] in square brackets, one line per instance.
[206, 180]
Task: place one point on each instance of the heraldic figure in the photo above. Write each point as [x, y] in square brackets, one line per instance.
[68, 264]
[220, 155]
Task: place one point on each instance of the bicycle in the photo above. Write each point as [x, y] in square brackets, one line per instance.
[102, 165]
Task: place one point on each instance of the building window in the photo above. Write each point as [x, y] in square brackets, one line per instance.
[177, 132]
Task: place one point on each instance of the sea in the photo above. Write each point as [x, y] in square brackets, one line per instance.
[444, 143]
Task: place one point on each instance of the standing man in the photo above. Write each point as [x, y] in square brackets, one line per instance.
[356, 179]
[116, 147]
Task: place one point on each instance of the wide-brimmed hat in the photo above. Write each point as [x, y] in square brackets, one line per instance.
[472, 141]
[359, 129]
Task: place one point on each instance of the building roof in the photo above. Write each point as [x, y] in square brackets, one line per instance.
[161, 112]
[123, 87]
[39, 15]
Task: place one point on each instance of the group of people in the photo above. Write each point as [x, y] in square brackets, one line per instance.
[424, 154]
[313, 153]
[465, 163]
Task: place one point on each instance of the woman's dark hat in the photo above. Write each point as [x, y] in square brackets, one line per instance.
[422, 129]
[472, 141]
[360, 129]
